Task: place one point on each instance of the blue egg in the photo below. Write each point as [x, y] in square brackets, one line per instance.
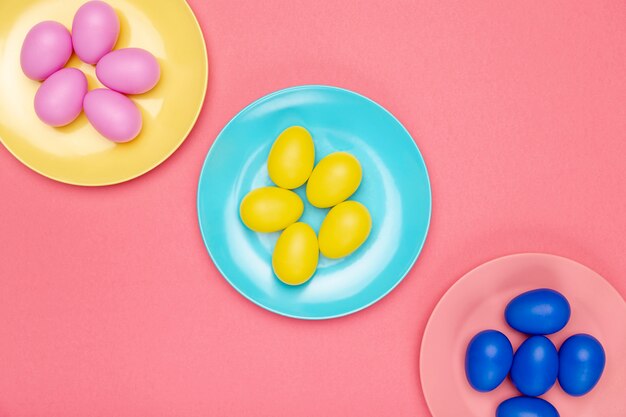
[526, 407]
[535, 366]
[541, 311]
[581, 363]
[488, 360]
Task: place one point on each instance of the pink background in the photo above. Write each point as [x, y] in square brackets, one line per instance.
[110, 305]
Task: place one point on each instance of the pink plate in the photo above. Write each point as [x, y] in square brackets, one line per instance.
[477, 301]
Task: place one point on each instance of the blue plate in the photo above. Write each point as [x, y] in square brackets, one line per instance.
[395, 189]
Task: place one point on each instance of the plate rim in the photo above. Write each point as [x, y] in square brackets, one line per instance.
[349, 311]
[166, 156]
[463, 278]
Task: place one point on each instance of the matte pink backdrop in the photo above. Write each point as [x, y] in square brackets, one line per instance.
[110, 305]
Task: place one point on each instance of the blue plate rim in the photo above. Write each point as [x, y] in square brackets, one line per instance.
[203, 233]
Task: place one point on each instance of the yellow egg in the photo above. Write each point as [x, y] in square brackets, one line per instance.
[345, 228]
[296, 254]
[291, 158]
[335, 178]
[270, 209]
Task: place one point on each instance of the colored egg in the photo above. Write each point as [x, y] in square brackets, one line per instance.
[581, 363]
[59, 100]
[335, 178]
[296, 254]
[535, 366]
[94, 31]
[488, 360]
[344, 229]
[129, 70]
[291, 158]
[112, 114]
[46, 49]
[270, 209]
[541, 311]
[526, 407]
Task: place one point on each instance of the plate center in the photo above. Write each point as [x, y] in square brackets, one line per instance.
[312, 215]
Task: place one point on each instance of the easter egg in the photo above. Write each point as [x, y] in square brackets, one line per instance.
[112, 114]
[95, 29]
[59, 100]
[46, 49]
[129, 70]
[291, 158]
[344, 229]
[535, 366]
[488, 360]
[335, 178]
[296, 254]
[541, 311]
[526, 407]
[270, 209]
[581, 363]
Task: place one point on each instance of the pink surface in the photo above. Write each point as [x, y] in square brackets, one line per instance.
[597, 309]
[110, 305]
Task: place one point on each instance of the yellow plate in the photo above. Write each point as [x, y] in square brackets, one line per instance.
[77, 154]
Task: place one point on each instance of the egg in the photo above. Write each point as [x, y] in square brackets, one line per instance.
[112, 114]
[526, 407]
[335, 178]
[541, 311]
[296, 254]
[291, 158]
[270, 209]
[59, 100]
[581, 363]
[535, 366]
[95, 29]
[344, 229]
[46, 49]
[129, 70]
[488, 360]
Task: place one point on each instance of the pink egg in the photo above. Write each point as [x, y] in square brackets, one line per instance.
[46, 49]
[112, 114]
[129, 70]
[59, 100]
[94, 31]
